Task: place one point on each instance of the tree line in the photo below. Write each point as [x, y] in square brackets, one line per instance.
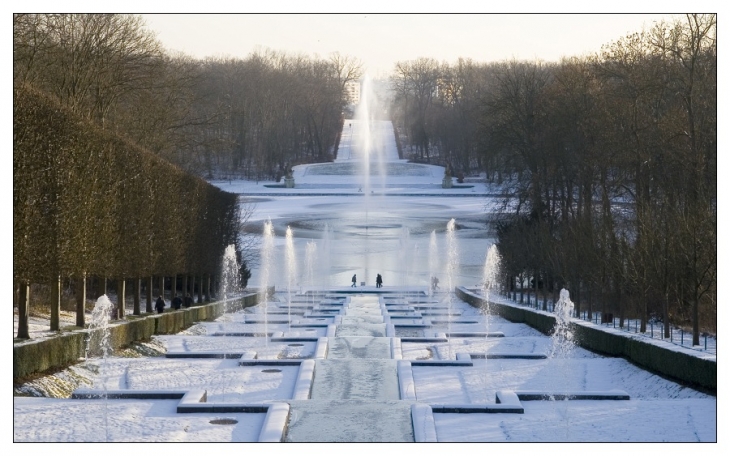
[101, 112]
[88, 203]
[252, 117]
[609, 162]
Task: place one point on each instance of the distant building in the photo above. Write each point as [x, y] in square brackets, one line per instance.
[352, 88]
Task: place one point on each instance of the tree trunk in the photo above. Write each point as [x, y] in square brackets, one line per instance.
[590, 301]
[184, 284]
[161, 286]
[121, 292]
[522, 289]
[23, 309]
[81, 301]
[207, 289]
[137, 296]
[200, 290]
[148, 308]
[665, 313]
[173, 286]
[56, 304]
[642, 310]
[695, 319]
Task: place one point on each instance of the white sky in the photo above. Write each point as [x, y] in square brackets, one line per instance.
[380, 40]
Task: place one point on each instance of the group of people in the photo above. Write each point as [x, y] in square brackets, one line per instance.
[177, 302]
[378, 281]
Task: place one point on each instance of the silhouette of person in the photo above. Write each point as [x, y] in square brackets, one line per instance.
[354, 281]
[176, 302]
[379, 281]
[434, 283]
[159, 304]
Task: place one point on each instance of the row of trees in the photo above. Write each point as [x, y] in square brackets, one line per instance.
[436, 108]
[89, 203]
[610, 162]
[95, 93]
[272, 111]
[253, 116]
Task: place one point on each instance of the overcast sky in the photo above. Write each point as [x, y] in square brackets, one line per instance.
[380, 40]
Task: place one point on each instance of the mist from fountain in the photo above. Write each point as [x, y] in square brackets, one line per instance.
[451, 266]
[230, 274]
[413, 264]
[326, 258]
[405, 243]
[267, 252]
[563, 343]
[490, 276]
[490, 282]
[433, 263]
[562, 338]
[98, 344]
[310, 257]
[364, 146]
[291, 268]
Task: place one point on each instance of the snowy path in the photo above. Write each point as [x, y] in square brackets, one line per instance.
[353, 386]
[361, 420]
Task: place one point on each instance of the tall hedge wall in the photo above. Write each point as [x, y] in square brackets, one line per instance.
[87, 201]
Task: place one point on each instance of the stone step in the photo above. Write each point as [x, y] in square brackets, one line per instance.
[359, 420]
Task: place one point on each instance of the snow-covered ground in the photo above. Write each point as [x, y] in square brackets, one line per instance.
[658, 410]
[397, 229]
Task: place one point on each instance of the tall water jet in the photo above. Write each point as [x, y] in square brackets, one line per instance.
[310, 257]
[291, 268]
[451, 266]
[364, 132]
[413, 264]
[230, 274]
[267, 251]
[490, 281]
[326, 259]
[490, 276]
[563, 340]
[433, 263]
[98, 344]
[405, 241]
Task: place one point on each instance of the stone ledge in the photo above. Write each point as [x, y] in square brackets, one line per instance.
[424, 426]
[677, 365]
[612, 395]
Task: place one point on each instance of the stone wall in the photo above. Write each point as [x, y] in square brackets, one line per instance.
[693, 369]
[37, 356]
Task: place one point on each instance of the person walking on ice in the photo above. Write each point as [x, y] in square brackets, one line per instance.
[379, 281]
[354, 281]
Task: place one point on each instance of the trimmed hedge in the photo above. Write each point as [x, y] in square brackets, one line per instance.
[676, 365]
[88, 202]
[38, 356]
